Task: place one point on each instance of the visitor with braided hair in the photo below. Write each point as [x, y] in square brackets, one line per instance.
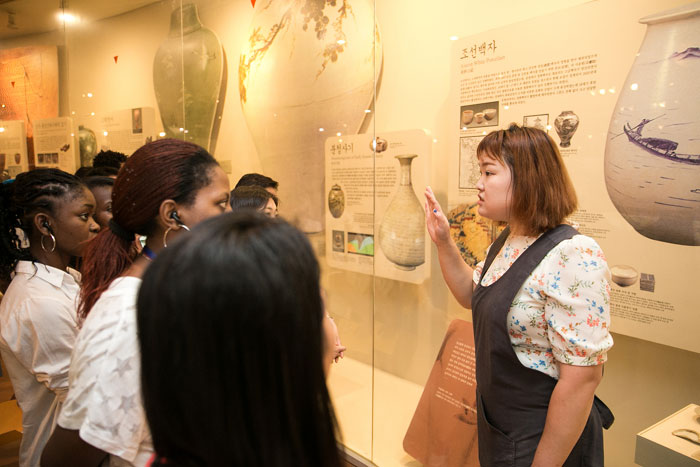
[164, 189]
[46, 218]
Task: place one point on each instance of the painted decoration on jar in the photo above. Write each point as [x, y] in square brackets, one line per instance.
[402, 230]
[189, 77]
[308, 72]
[566, 125]
[652, 155]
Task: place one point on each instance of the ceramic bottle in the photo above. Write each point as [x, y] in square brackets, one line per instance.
[401, 235]
[189, 77]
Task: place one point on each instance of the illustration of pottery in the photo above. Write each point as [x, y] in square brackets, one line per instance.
[479, 117]
[378, 145]
[623, 275]
[467, 117]
[307, 66]
[489, 114]
[88, 146]
[189, 78]
[402, 230]
[336, 201]
[652, 154]
[18, 158]
[566, 124]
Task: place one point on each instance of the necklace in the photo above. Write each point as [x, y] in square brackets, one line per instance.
[148, 253]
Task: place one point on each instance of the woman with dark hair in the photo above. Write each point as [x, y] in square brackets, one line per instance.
[163, 189]
[101, 188]
[246, 347]
[46, 218]
[540, 307]
[254, 198]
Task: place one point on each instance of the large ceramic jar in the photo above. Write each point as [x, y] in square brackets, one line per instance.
[87, 142]
[308, 72]
[652, 156]
[402, 230]
[189, 77]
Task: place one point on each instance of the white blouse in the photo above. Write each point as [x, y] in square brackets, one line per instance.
[562, 311]
[38, 327]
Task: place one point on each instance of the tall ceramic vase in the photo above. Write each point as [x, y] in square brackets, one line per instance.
[652, 155]
[402, 230]
[87, 142]
[308, 72]
[566, 125]
[189, 77]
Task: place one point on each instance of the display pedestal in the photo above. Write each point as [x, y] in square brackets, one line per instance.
[658, 446]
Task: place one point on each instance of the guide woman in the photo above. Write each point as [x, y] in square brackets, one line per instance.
[540, 307]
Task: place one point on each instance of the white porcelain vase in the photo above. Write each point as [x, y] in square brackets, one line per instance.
[652, 155]
[308, 72]
[402, 230]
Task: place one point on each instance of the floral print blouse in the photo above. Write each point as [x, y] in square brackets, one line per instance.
[562, 311]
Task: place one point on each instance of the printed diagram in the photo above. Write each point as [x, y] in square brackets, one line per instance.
[468, 164]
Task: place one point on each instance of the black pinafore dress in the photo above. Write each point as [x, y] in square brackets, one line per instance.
[512, 400]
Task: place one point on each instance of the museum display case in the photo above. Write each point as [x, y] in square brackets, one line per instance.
[355, 106]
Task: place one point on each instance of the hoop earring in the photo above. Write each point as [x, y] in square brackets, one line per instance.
[165, 237]
[53, 247]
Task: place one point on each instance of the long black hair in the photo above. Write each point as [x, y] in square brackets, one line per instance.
[231, 316]
[39, 190]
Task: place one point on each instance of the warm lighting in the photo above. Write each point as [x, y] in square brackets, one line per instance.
[662, 104]
[592, 93]
[67, 18]
[341, 42]
[435, 140]
[2, 129]
[89, 94]
[105, 133]
[321, 129]
[73, 112]
[92, 113]
[3, 106]
[340, 140]
[483, 132]
[187, 131]
[72, 134]
[338, 134]
[367, 111]
[611, 90]
[161, 134]
[602, 92]
[506, 107]
[454, 38]
[182, 129]
[464, 128]
[549, 127]
[634, 86]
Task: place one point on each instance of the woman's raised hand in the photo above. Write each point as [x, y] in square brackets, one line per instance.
[435, 219]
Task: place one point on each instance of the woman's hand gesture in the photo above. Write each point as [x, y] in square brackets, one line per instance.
[435, 219]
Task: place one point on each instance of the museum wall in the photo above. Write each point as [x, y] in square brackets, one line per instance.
[393, 326]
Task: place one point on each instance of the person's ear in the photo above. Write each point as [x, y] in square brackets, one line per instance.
[42, 223]
[168, 216]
